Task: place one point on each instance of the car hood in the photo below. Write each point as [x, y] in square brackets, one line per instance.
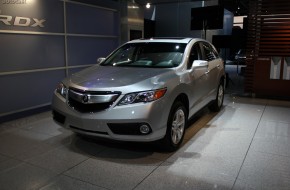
[105, 77]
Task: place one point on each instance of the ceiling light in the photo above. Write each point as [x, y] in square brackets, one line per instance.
[148, 5]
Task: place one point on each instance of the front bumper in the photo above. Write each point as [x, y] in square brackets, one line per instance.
[117, 122]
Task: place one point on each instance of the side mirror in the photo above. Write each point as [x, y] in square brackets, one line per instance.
[100, 60]
[199, 64]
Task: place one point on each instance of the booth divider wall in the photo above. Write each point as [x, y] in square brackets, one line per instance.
[268, 49]
[43, 41]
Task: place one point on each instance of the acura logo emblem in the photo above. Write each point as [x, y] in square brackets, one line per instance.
[85, 98]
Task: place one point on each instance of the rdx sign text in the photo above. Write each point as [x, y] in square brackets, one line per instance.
[21, 21]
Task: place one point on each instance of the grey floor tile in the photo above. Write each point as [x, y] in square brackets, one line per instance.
[273, 133]
[87, 146]
[232, 125]
[274, 113]
[18, 123]
[264, 171]
[20, 141]
[127, 155]
[66, 137]
[115, 150]
[58, 160]
[271, 144]
[33, 150]
[107, 149]
[8, 163]
[223, 137]
[24, 177]
[236, 105]
[64, 182]
[210, 158]
[6, 128]
[22, 144]
[199, 121]
[32, 139]
[215, 160]
[227, 99]
[184, 176]
[3, 158]
[243, 185]
[248, 101]
[195, 150]
[237, 119]
[32, 136]
[112, 175]
[44, 126]
[273, 128]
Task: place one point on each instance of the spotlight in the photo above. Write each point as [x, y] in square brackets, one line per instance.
[148, 5]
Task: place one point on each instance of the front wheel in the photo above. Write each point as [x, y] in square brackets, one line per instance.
[176, 125]
[218, 102]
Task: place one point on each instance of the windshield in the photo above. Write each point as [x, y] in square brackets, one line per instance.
[153, 54]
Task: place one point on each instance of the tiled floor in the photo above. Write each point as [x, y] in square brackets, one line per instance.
[245, 146]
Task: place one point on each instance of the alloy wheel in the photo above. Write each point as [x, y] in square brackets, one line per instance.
[178, 124]
[220, 95]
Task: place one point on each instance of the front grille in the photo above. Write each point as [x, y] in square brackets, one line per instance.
[91, 101]
[87, 108]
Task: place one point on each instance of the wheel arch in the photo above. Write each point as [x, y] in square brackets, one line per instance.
[223, 79]
[183, 98]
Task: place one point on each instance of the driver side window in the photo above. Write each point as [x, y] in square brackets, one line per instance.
[195, 54]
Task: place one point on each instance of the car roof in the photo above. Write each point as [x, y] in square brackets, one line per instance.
[171, 40]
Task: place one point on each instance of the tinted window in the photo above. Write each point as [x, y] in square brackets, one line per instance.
[209, 51]
[153, 54]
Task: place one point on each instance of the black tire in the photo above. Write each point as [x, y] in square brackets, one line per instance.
[218, 102]
[176, 125]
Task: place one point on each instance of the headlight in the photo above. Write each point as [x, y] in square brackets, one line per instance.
[147, 96]
[61, 89]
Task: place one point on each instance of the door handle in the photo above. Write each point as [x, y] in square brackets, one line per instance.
[207, 72]
[218, 66]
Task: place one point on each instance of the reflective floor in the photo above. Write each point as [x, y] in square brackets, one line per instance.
[245, 146]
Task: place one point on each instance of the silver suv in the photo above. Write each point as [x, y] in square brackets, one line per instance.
[146, 90]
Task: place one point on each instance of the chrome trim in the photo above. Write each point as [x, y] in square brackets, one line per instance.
[87, 98]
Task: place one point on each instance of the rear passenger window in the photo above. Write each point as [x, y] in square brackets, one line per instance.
[209, 51]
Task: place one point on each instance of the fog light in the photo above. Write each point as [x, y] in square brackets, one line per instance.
[144, 129]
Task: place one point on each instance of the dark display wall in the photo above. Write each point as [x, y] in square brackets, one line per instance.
[176, 20]
[268, 49]
[43, 41]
